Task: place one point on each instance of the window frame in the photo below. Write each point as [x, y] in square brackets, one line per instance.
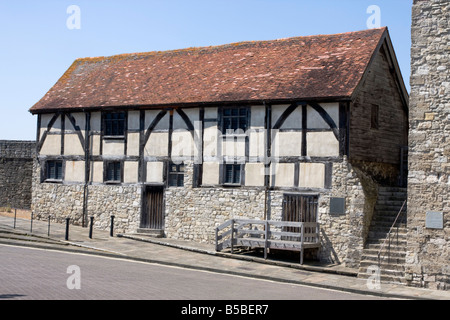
[106, 168]
[224, 117]
[234, 167]
[374, 116]
[108, 130]
[57, 177]
[178, 173]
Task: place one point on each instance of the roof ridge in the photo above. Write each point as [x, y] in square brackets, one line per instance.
[205, 48]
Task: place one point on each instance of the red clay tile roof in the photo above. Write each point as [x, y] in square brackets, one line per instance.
[311, 67]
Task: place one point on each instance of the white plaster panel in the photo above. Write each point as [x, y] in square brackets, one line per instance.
[191, 113]
[150, 115]
[254, 174]
[133, 144]
[322, 144]
[210, 140]
[80, 121]
[155, 172]
[134, 120]
[257, 143]
[96, 121]
[130, 171]
[257, 117]
[182, 143]
[234, 148]
[287, 144]
[95, 144]
[72, 145]
[74, 171]
[315, 121]
[51, 145]
[312, 175]
[157, 144]
[112, 147]
[282, 174]
[210, 173]
[294, 121]
[210, 113]
[97, 171]
[45, 120]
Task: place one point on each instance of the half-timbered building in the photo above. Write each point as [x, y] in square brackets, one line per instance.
[297, 129]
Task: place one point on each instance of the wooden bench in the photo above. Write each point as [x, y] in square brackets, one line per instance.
[267, 234]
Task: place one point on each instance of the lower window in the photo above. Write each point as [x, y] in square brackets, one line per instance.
[54, 170]
[113, 172]
[176, 175]
[232, 174]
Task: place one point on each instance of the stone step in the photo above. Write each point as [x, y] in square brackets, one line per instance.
[381, 214]
[394, 194]
[372, 250]
[386, 276]
[394, 259]
[156, 233]
[378, 233]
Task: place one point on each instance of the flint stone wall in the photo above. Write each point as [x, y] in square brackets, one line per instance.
[16, 169]
[61, 201]
[428, 250]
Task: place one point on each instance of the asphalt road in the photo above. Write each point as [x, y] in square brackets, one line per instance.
[28, 273]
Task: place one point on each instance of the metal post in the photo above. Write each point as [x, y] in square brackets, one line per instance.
[48, 231]
[31, 225]
[266, 238]
[111, 233]
[90, 227]
[15, 215]
[232, 235]
[67, 228]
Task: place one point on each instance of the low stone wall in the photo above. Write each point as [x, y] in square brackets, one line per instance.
[16, 168]
[61, 201]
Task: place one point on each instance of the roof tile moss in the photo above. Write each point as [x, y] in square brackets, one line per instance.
[320, 66]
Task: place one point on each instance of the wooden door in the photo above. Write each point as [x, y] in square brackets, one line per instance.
[152, 216]
[299, 208]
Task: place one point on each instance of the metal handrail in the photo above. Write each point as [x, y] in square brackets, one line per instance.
[388, 237]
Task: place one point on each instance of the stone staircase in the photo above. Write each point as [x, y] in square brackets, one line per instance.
[392, 258]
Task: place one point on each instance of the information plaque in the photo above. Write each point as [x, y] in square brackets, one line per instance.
[337, 205]
[434, 220]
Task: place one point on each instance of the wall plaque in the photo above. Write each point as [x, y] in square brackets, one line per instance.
[434, 220]
[337, 205]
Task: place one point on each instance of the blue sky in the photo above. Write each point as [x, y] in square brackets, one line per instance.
[37, 46]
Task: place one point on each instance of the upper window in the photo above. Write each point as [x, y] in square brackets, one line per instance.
[54, 170]
[176, 175]
[234, 119]
[114, 124]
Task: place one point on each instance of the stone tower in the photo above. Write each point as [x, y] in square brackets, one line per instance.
[428, 253]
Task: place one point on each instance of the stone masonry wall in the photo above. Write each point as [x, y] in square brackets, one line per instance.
[428, 249]
[16, 168]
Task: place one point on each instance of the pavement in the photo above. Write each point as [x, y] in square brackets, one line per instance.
[200, 256]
